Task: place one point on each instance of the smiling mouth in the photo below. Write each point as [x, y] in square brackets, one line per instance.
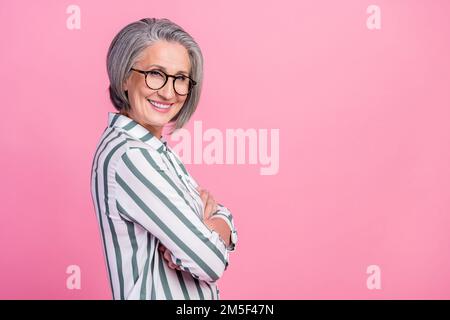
[160, 105]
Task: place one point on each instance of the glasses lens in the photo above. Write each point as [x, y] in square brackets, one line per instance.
[155, 79]
[182, 85]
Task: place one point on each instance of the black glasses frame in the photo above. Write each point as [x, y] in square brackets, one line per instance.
[192, 82]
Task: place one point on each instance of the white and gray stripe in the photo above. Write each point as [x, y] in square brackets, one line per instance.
[144, 196]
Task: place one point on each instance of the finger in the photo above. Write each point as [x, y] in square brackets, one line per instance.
[211, 197]
[161, 248]
[209, 207]
[214, 207]
[209, 204]
[204, 195]
[167, 255]
[172, 265]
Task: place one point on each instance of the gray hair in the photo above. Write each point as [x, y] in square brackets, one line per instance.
[125, 50]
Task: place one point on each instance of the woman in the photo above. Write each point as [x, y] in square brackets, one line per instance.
[164, 237]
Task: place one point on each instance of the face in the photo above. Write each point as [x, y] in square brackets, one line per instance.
[172, 58]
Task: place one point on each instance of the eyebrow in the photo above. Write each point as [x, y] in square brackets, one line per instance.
[165, 70]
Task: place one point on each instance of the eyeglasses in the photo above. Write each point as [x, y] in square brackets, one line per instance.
[156, 79]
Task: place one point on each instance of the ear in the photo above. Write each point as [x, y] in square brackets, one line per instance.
[125, 84]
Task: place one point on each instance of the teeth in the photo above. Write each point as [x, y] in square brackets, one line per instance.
[158, 105]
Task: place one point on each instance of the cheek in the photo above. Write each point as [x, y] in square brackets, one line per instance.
[180, 106]
[182, 102]
[137, 95]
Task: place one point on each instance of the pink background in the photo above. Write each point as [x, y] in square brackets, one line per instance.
[363, 114]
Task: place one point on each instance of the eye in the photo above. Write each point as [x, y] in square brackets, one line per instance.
[155, 73]
[182, 78]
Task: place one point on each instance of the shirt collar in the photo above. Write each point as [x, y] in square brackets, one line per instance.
[134, 129]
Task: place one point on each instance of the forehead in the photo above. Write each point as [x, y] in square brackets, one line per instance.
[170, 55]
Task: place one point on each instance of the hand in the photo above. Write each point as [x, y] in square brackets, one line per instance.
[209, 203]
[218, 225]
[166, 253]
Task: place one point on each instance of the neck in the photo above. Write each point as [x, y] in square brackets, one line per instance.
[155, 131]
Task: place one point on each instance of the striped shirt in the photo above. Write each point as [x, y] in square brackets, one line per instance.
[144, 196]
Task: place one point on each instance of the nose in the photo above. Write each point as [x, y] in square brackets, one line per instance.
[168, 91]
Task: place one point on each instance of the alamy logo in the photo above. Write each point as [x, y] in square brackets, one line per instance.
[74, 20]
[374, 278]
[74, 280]
[374, 20]
[213, 147]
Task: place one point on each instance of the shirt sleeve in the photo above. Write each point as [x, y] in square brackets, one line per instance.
[225, 214]
[145, 194]
[222, 213]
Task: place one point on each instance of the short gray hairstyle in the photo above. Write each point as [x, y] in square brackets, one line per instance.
[125, 50]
